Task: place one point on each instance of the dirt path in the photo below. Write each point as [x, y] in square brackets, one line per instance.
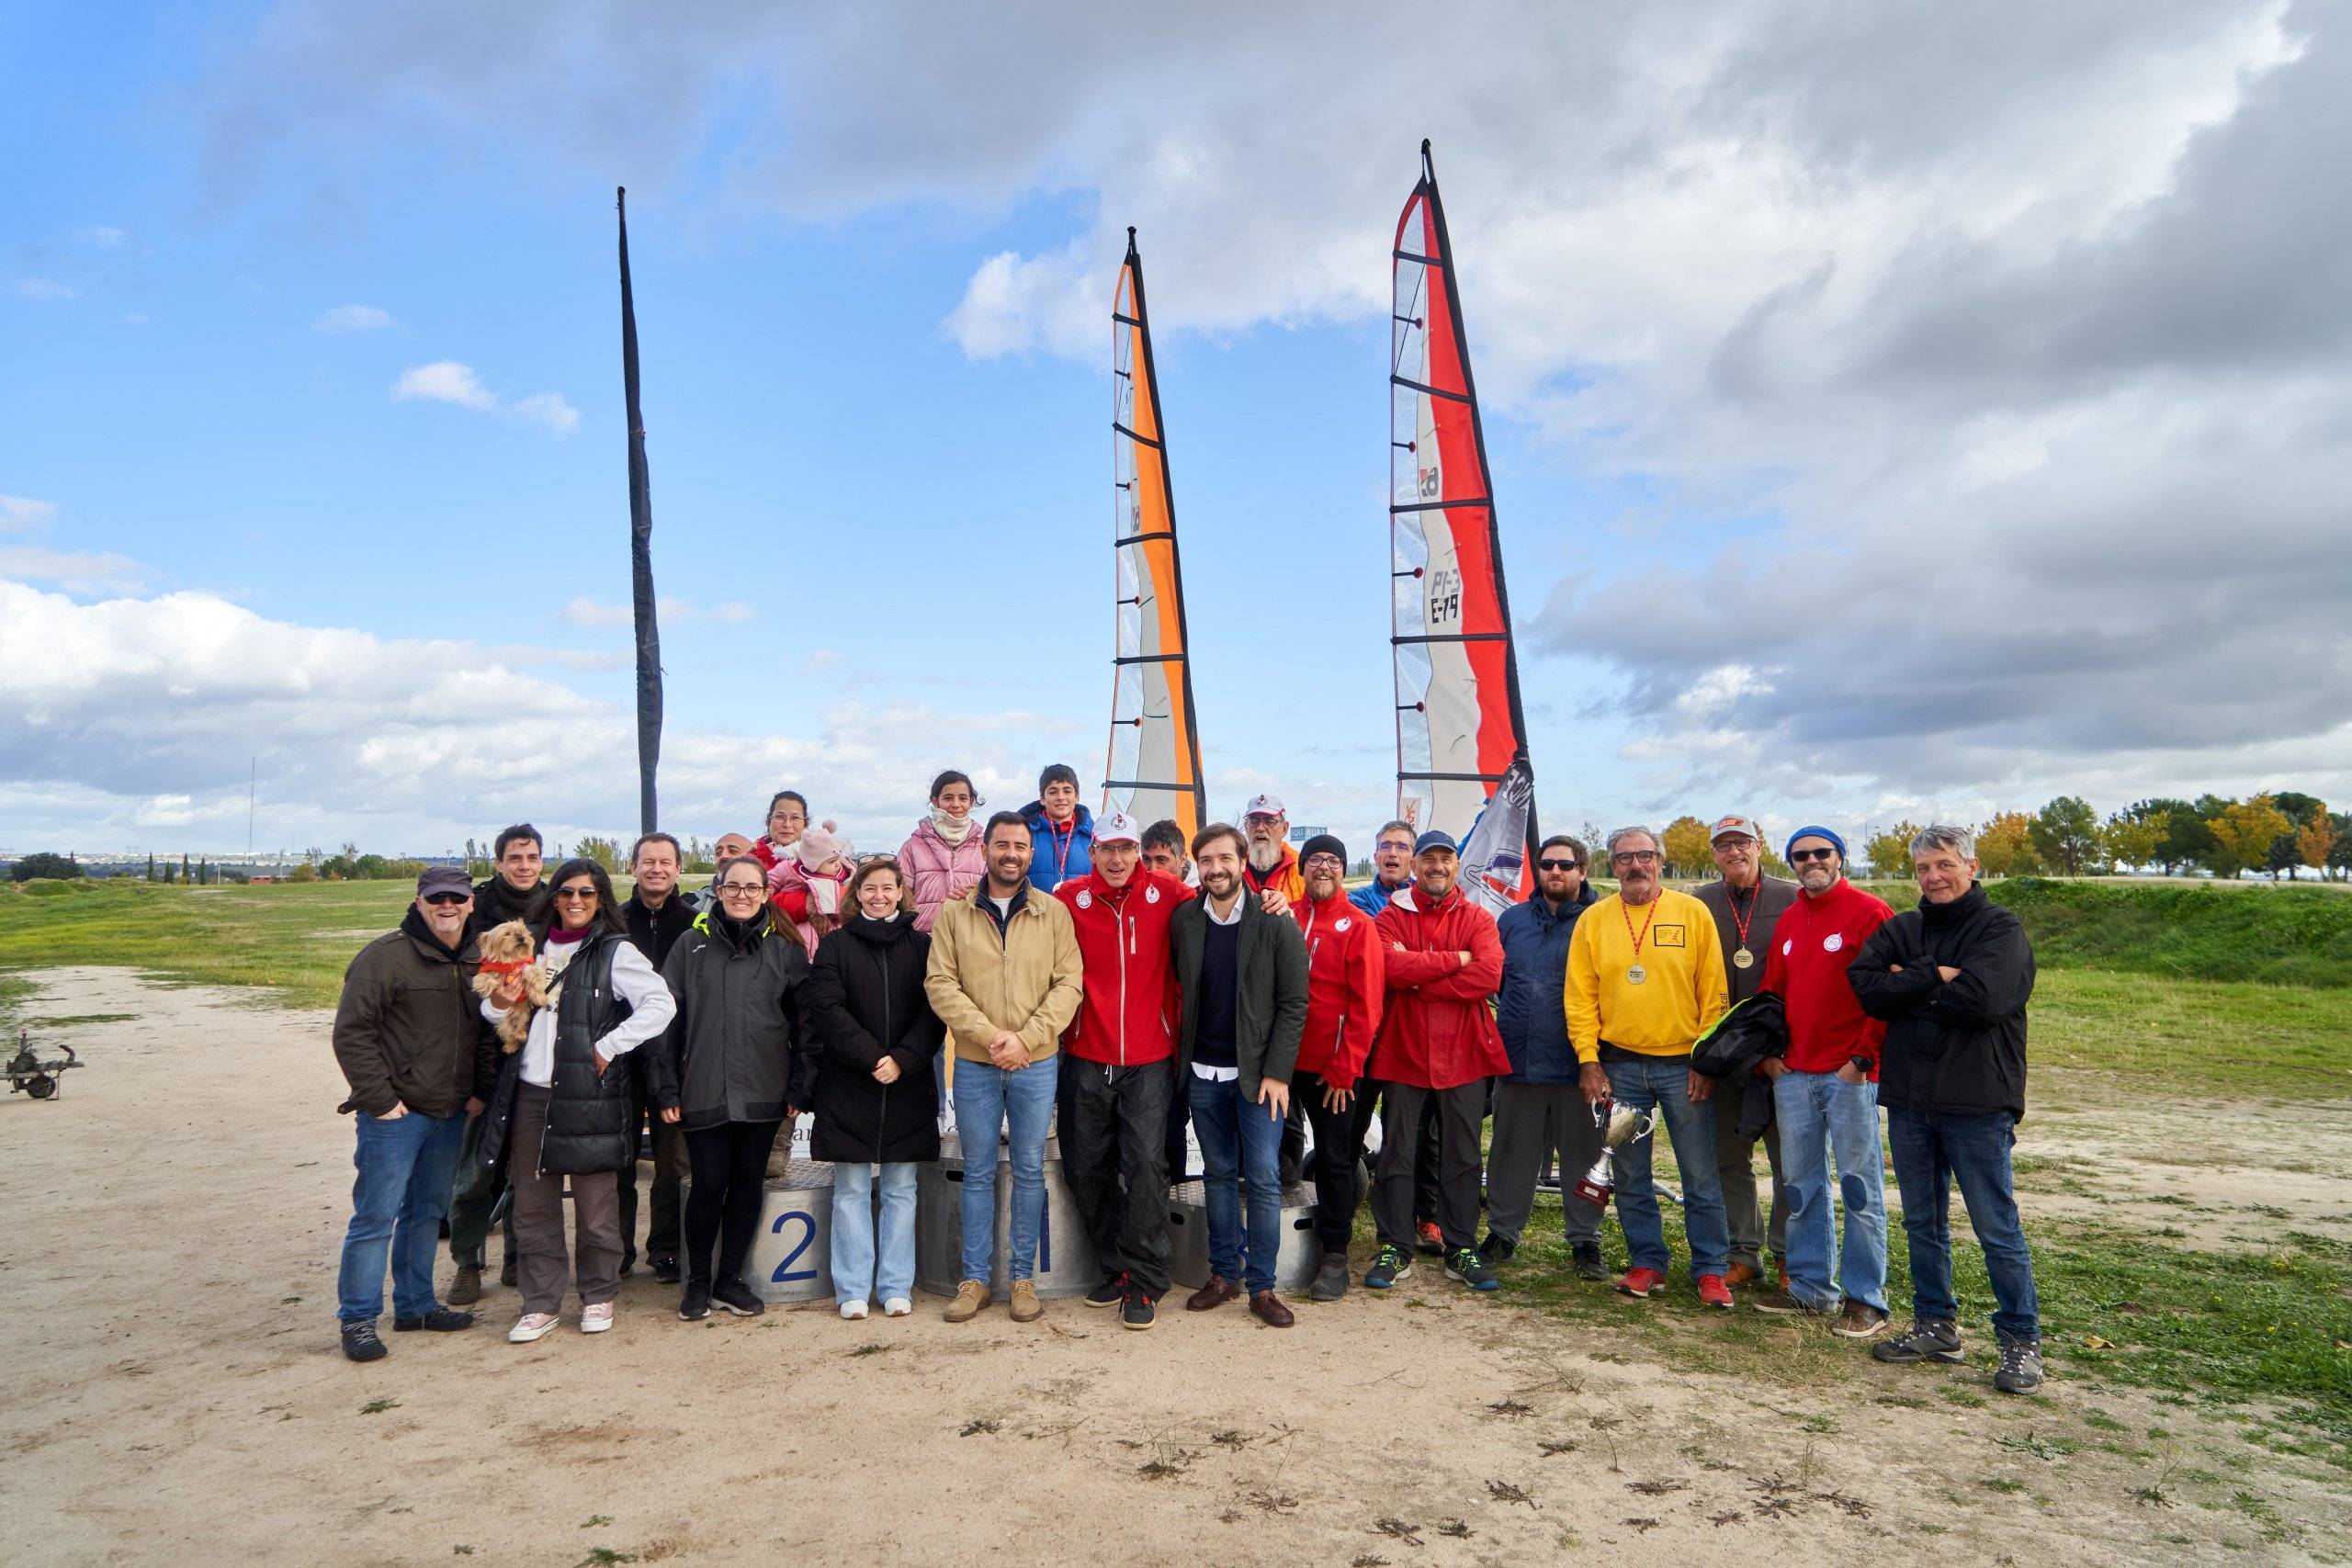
[171, 1391]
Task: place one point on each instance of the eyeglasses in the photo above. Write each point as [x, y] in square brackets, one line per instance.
[1557, 864]
[1798, 857]
[1331, 863]
[586, 895]
[1635, 857]
[442, 901]
[743, 887]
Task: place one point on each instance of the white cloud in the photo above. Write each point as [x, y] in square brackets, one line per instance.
[352, 319]
[76, 572]
[19, 513]
[451, 382]
[46, 288]
[103, 236]
[595, 614]
[1014, 304]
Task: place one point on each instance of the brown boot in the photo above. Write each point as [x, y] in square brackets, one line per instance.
[970, 1297]
[466, 1289]
[1268, 1308]
[1026, 1307]
[1216, 1293]
[1740, 1274]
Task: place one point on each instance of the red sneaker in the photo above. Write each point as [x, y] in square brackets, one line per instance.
[1714, 1292]
[1643, 1283]
[1431, 1239]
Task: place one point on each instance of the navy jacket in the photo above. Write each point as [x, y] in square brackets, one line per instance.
[1045, 873]
[1531, 1010]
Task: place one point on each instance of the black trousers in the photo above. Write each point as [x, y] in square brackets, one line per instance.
[1115, 1158]
[1459, 1112]
[1180, 1148]
[730, 1163]
[1339, 1147]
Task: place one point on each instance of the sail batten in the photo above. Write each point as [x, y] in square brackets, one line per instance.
[1154, 768]
[1461, 755]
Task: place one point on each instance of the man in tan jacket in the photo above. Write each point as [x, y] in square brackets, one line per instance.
[1004, 977]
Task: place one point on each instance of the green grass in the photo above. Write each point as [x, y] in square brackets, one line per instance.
[2235, 1038]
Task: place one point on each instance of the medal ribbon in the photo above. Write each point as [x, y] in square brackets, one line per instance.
[1637, 941]
[1731, 902]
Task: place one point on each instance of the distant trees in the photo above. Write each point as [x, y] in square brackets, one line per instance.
[2243, 832]
[2004, 845]
[2065, 834]
[605, 852]
[2315, 840]
[1685, 845]
[1890, 852]
[41, 862]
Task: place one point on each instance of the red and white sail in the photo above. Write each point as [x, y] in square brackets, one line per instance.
[1462, 761]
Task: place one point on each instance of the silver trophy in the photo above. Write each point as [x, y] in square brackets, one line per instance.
[1619, 1125]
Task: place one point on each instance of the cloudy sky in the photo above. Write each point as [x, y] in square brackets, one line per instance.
[1902, 410]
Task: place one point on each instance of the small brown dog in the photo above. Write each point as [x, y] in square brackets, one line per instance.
[508, 955]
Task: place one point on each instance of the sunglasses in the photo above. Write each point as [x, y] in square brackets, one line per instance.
[576, 893]
[1557, 864]
[1798, 857]
[444, 899]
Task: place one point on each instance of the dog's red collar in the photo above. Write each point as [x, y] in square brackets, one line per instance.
[504, 966]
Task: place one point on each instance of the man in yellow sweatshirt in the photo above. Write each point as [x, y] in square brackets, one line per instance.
[1646, 979]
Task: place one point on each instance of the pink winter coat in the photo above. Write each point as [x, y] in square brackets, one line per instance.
[941, 871]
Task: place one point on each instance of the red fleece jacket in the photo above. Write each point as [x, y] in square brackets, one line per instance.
[1128, 1014]
[1812, 944]
[1439, 1031]
[1346, 989]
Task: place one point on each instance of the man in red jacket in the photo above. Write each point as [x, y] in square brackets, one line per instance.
[1824, 1093]
[1118, 1066]
[1439, 1041]
[1346, 989]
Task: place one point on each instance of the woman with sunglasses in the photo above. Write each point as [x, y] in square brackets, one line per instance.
[731, 1073]
[878, 1103]
[568, 1110]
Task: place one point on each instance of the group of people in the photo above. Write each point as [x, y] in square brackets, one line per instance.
[1053, 973]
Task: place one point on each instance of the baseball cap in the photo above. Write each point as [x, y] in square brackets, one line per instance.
[443, 879]
[1263, 805]
[1118, 828]
[1734, 828]
[1434, 840]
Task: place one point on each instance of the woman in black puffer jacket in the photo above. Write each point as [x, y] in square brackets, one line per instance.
[878, 1103]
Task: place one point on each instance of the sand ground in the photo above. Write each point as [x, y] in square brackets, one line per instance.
[171, 1390]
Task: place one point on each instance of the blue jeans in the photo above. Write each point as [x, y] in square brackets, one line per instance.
[1639, 1083]
[859, 1269]
[988, 1099]
[1930, 1153]
[1242, 1147]
[1822, 1116]
[405, 1164]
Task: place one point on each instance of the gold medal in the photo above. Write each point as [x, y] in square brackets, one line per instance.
[1744, 959]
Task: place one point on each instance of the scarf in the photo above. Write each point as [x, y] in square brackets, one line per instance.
[951, 830]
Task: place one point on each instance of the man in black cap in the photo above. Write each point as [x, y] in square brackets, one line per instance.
[419, 1058]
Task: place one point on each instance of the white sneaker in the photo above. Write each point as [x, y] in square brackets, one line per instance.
[532, 1326]
[854, 1311]
[597, 1318]
[898, 1306]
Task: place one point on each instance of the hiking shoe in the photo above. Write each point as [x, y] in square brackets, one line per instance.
[970, 1297]
[529, 1326]
[733, 1296]
[1331, 1279]
[1859, 1320]
[1431, 1239]
[665, 1269]
[1137, 1311]
[506, 1274]
[2020, 1370]
[1497, 1250]
[1782, 1303]
[695, 1305]
[1388, 1266]
[440, 1320]
[1589, 1263]
[1714, 1292]
[466, 1289]
[1642, 1283]
[1740, 1275]
[595, 1317]
[359, 1342]
[1111, 1293]
[1026, 1307]
[1471, 1269]
[1931, 1339]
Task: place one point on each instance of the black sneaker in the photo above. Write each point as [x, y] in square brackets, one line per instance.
[359, 1342]
[629, 1264]
[1929, 1339]
[440, 1320]
[665, 1269]
[1111, 1293]
[735, 1296]
[1331, 1279]
[2020, 1370]
[1389, 1265]
[1497, 1250]
[1588, 1261]
[1135, 1310]
[695, 1305]
[1471, 1269]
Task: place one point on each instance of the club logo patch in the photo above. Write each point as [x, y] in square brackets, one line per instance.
[1668, 936]
[1788, 947]
[1833, 941]
[1086, 899]
[1342, 923]
[1151, 894]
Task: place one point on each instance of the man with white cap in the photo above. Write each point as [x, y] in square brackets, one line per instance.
[1272, 869]
[1745, 903]
[1118, 1065]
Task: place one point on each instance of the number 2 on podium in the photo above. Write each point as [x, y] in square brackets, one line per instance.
[785, 1273]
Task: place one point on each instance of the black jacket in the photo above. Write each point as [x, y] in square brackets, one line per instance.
[591, 1115]
[495, 904]
[1270, 1000]
[1737, 1044]
[653, 932]
[864, 1000]
[736, 1051]
[408, 1029]
[1955, 1048]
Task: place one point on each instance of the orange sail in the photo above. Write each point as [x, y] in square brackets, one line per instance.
[1154, 770]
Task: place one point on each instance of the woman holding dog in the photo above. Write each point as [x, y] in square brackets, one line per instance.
[878, 1103]
[731, 1073]
[564, 1110]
